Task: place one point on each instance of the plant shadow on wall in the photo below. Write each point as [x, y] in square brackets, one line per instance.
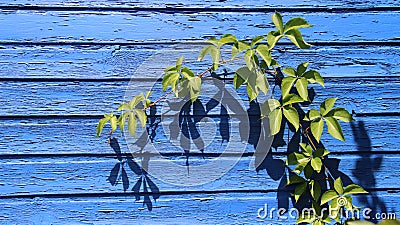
[309, 177]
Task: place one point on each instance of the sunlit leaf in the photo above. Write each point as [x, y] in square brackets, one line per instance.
[277, 20]
[132, 124]
[275, 120]
[327, 105]
[317, 126]
[328, 196]
[338, 185]
[265, 54]
[316, 164]
[296, 23]
[292, 116]
[312, 114]
[302, 88]
[334, 128]
[287, 84]
[100, 125]
[297, 39]
[354, 189]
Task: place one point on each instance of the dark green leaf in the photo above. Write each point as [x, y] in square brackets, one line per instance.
[302, 68]
[315, 189]
[295, 180]
[320, 152]
[299, 190]
[237, 80]
[308, 171]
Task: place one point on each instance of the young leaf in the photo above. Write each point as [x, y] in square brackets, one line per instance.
[101, 124]
[256, 40]
[334, 128]
[316, 164]
[227, 38]
[328, 196]
[275, 120]
[302, 88]
[290, 99]
[297, 39]
[338, 185]
[204, 51]
[354, 189]
[121, 121]
[113, 123]
[238, 47]
[170, 79]
[179, 62]
[265, 54]
[277, 19]
[342, 114]
[132, 124]
[287, 84]
[296, 23]
[292, 116]
[314, 77]
[327, 105]
[141, 114]
[317, 126]
[312, 115]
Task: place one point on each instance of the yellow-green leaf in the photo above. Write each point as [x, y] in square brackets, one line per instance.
[292, 116]
[317, 126]
[334, 128]
[275, 120]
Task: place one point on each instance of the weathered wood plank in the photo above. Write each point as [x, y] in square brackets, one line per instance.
[88, 175]
[181, 209]
[101, 62]
[96, 26]
[198, 3]
[76, 136]
[96, 98]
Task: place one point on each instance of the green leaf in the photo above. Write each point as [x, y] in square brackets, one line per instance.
[328, 196]
[290, 99]
[204, 51]
[179, 62]
[302, 68]
[299, 190]
[296, 23]
[132, 124]
[292, 116]
[277, 19]
[390, 222]
[290, 71]
[135, 101]
[315, 189]
[238, 47]
[261, 82]
[327, 105]
[251, 92]
[265, 54]
[307, 150]
[312, 114]
[338, 185]
[317, 126]
[287, 84]
[316, 164]
[141, 114]
[320, 152]
[250, 60]
[194, 86]
[187, 73]
[308, 171]
[256, 40]
[227, 38]
[101, 124]
[334, 128]
[342, 114]
[354, 189]
[275, 120]
[237, 80]
[170, 79]
[297, 39]
[362, 222]
[273, 37]
[113, 123]
[122, 120]
[295, 180]
[314, 77]
[273, 104]
[123, 106]
[302, 88]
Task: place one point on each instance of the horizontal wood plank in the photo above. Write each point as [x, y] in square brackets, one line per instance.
[124, 62]
[27, 26]
[182, 209]
[87, 98]
[88, 175]
[198, 3]
[76, 136]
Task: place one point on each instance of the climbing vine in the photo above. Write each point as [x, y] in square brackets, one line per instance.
[314, 184]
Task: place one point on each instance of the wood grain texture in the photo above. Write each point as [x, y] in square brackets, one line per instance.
[124, 62]
[77, 136]
[181, 209]
[88, 175]
[39, 26]
[203, 4]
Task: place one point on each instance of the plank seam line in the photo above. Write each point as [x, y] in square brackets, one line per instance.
[164, 193]
[172, 10]
[174, 154]
[393, 42]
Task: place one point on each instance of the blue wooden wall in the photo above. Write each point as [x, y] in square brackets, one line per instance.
[63, 64]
